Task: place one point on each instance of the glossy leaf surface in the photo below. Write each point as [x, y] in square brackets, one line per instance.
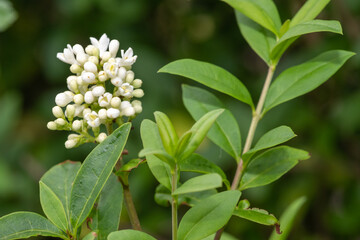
[200, 183]
[167, 132]
[309, 11]
[256, 215]
[130, 234]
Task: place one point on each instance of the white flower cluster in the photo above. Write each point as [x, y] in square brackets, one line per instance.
[101, 91]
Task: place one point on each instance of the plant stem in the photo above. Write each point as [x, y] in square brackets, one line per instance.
[174, 205]
[134, 220]
[257, 114]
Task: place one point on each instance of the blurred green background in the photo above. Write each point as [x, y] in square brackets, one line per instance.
[327, 120]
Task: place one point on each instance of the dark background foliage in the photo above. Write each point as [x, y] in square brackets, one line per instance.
[327, 120]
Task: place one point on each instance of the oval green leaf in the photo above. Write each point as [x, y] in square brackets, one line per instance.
[200, 183]
[151, 139]
[225, 132]
[305, 77]
[270, 139]
[52, 207]
[309, 11]
[199, 131]
[199, 164]
[208, 216]
[257, 215]
[167, 132]
[129, 234]
[210, 75]
[271, 165]
[263, 12]
[94, 173]
[21, 225]
[60, 179]
[106, 216]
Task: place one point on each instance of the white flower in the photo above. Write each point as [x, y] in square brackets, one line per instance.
[98, 91]
[114, 47]
[82, 58]
[102, 114]
[113, 113]
[106, 56]
[90, 67]
[92, 119]
[89, 97]
[60, 122]
[78, 49]
[125, 104]
[88, 77]
[75, 68]
[86, 111]
[63, 99]
[138, 109]
[111, 69]
[70, 111]
[127, 58]
[104, 100]
[51, 125]
[122, 72]
[102, 44]
[71, 143]
[102, 76]
[101, 137]
[129, 111]
[67, 56]
[117, 81]
[92, 50]
[126, 90]
[78, 99]
[79, 110]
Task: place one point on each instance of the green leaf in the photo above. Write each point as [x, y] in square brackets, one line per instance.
[60, 179]
[94, 173]
[167, 132]
[163, 197]
[151, 139]
[287, 219]
[7, 15]
[303, 28]
[257, 215]
[129, 234]
[160, 154]
[199, 131]
[192, 199]
[270, 166]
[208, 216]
[305, 77]
[259, 38]
[210, 75]
[224, 236]
[199, 164]
[309, 11]
[90, 236]
[21, 225]
[243, 204]
[262, 12]
[183, 141]
[200, 183]
[270, 139]
[107, 213]
[225, 132]
[52, 207]
[132, 164]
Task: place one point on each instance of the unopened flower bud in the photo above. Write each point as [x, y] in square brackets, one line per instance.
[51, 125]
[129, 111]
[71, 143]
[114, 47]
[139, 93]
[57, 112]
[77, 125]
[89, 97]
[101, 137]
[60, 122]
[102, 76]
[88, 77]
[73, 136]
[129, 76]
[90, 67]
[138, 109]
[70, 111]
[122, 73]
[86, 111]
[115, 102]
[117, 81]
[94, 60]
[105, 56]
[125, 104]
[102, 114]
[98, 91]
[62, 99]
[75, 68]
[113, 113]
[71, 78]
[92, 50]
[82, 58]
[137, 83]
[73, 86]
[78, 99]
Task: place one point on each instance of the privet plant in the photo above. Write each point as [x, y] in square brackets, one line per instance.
[84, 201]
